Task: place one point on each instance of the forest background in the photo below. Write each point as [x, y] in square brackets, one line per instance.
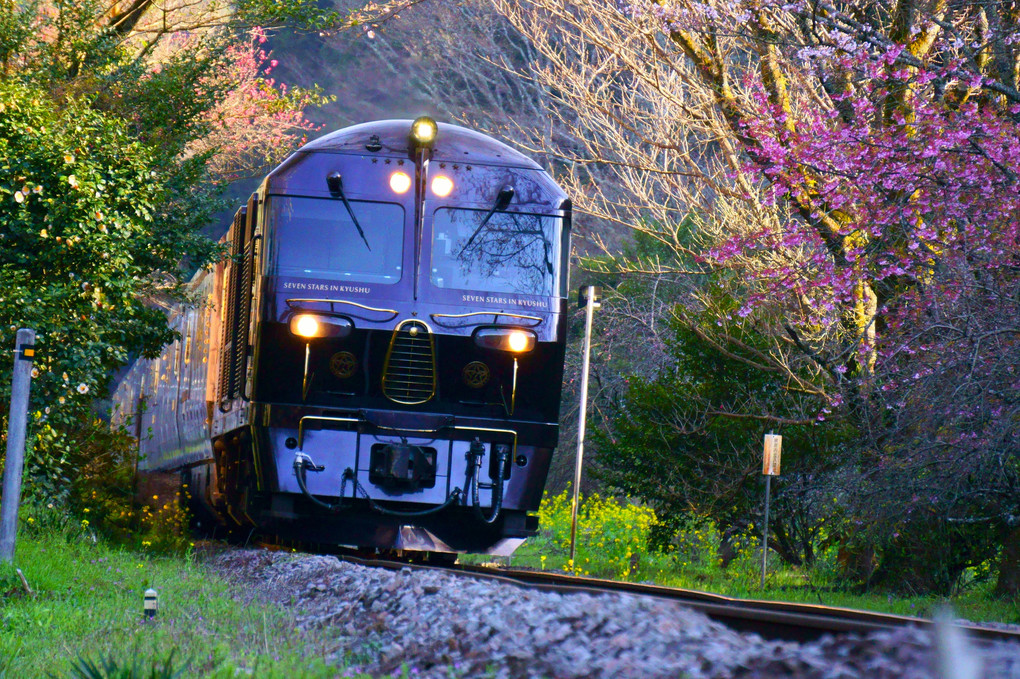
[805, 216]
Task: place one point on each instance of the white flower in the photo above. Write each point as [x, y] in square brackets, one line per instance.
[83, 388]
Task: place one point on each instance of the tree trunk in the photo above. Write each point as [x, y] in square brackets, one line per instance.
[1009, 565]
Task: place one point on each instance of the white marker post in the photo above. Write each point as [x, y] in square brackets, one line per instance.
[770, 468]
[590, 296]
[17, 424]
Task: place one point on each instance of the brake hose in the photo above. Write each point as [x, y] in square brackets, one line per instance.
[497, 488]
[303, 462]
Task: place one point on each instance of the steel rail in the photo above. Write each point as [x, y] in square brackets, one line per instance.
[769, 619]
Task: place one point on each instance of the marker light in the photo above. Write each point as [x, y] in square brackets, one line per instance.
[423, 131]
[400, 182]
[518, 341]
[515, 340]
[311, 326]
[307, 326]
[442, 186]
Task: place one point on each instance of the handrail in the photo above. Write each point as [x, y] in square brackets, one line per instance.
[321, 418]
[538, 319]
[331, 302]
[360, 420]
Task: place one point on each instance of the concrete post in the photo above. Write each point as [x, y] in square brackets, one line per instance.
[591, 296]
[17, 422]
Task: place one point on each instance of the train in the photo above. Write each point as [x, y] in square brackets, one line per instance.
[377, 364]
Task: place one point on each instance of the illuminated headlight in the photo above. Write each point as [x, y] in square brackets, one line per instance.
[442, 186]
[400, 182]
[311, 326]
[423, 131]
[514, 340]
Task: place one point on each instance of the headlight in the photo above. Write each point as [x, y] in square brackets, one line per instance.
[400, 182]
[442, 186]
[307, 326]
[423, 131]
[311, 326]
[514, 340]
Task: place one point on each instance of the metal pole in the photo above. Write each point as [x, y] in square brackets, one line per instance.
[589, 313]
[17, 421]
[765, 539]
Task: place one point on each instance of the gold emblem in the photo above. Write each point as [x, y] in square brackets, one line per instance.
[476, 374]
[343, 364]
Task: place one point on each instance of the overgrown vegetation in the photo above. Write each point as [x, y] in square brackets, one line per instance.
[613, 538]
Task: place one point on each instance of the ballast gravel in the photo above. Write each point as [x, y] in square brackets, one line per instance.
[428, 623]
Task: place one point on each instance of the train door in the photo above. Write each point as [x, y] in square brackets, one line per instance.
[238, 301]
[191, 411]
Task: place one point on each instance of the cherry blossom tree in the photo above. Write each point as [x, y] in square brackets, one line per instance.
[853, 167]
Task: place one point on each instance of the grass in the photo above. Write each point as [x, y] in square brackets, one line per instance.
[87, 611]
[612, 543]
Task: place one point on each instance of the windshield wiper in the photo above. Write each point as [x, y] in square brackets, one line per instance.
[503, 199]
[336, 189]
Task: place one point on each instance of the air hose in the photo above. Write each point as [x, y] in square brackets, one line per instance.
[301, 463]
[475, 454]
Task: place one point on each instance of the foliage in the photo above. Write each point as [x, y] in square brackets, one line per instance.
[84, 481]
[83, 229]
[673, 445]
[851, 170]
[116, 135]
[112, 668]
[704, 557]
[611, 534]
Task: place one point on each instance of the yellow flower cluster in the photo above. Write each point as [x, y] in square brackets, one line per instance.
[610, 533]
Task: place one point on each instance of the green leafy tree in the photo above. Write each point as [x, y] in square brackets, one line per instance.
[116, 140]
[688, 439]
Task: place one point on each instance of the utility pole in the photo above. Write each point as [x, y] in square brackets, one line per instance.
[590, 296]
[17, 423]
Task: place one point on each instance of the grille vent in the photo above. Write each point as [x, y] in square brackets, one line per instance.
[409, 374]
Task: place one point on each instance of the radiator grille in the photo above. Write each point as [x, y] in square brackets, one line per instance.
[409, 374]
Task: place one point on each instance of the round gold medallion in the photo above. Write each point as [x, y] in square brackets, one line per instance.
[343, 364]
[476, 374]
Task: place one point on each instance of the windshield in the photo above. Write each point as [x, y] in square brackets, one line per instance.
[511, 252]
[316, 238]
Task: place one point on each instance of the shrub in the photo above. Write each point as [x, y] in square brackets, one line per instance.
[114, 668]
[611, 533]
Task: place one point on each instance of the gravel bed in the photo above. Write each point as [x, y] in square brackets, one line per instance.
[441, 625]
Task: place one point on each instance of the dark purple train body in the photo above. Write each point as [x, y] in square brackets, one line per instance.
[379, 364]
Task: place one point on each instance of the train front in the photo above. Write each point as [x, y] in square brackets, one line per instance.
[409, 339]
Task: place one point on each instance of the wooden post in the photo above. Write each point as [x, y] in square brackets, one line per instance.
[17, 424]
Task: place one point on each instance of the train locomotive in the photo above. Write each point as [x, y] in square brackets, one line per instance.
[378, 363]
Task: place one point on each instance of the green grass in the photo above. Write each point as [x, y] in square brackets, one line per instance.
[88, 607]
[612, 543]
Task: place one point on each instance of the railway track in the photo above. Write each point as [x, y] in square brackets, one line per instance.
[769, 619]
